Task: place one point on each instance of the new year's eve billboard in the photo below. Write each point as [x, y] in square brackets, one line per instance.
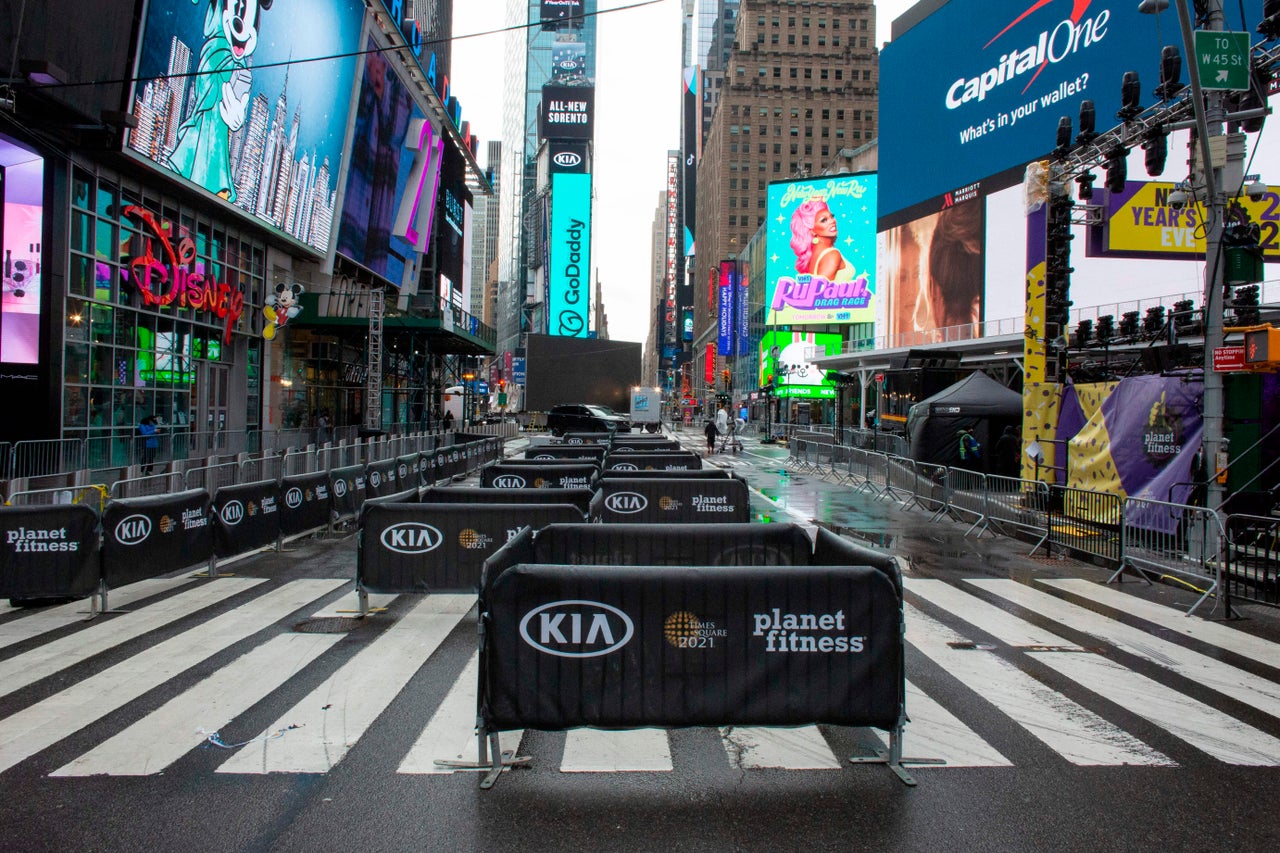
[822, 251]
[231, 104]
[570, 255]
[989, 80]
[1140, 223]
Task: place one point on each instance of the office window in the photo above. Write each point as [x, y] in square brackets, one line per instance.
[773, 39]
[839, 115]
[808, 74]
[822, 23]
[791, 39]
[791, 72]
[795, 148]
[795, 131]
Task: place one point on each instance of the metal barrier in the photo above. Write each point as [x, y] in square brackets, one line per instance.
[1086, 522]
[967, 496]
[270, 467]
[49, 456]
[900, 478]
[148, 485]
[1165, 538]
[212, 477]
[1251, 568]
[94, 495]
[1018, 504]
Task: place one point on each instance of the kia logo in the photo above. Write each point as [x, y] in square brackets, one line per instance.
[339, 487]
[509, 481]
[293, 498]
[625, 466]
[232, 513]
[375, 479]
[575, 441]
[545, 456]
[133, 530]
[576, 628]
[403, 471]
[411, 537]
[626, 502]
[567, 159]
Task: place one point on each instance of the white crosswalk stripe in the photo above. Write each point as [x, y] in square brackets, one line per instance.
[316, 733]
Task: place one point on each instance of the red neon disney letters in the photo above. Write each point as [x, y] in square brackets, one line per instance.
[185, 287]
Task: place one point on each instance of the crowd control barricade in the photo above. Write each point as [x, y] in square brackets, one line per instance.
[579, 498]
[409, 470]
[967, 499]
[1086, 522]
[247, 518]
[1018, 505]
[347, 492]
[604, 438]
[654, 442]
[1251, 569]
[639, 460]
[380, 479]
[567, 451]
[1162, 538]
[150, 536]
[549, 475]
[700, 474]
[670, 500]
[877, 482]
[818, 639]
[212, 477]
[900, 478]
[49, 551]
[305, 504]
[452, 462]
[929, 485]
[149, 484]
[439, 547]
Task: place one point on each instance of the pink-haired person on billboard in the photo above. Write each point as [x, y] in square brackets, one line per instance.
[813, 238]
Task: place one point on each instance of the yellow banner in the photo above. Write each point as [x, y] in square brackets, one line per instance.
[1146, 224]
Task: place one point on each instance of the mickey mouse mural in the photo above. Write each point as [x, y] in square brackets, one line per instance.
[203, 150]
[284, 308]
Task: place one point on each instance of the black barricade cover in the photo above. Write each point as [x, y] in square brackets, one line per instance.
[432, 467]
[452, 462]
[408, 496]
[752, 544]
[304, 503]
[580, 498]
[146, 537]
[700, 474]
[380, 479]
[408, 470]
[554, 475]
[347, 490]
[440, 547]
[566, 451]
[626, 647]
[637, 443]
[671, 500]
[248, 517]
[830, 549]
[586, 438]
[48, 551]
[641, 460]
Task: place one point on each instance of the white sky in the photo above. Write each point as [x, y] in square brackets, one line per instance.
[638, 85]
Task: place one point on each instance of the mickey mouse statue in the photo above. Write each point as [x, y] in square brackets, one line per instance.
[283, 309]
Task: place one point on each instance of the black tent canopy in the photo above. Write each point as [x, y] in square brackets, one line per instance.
[978, 403]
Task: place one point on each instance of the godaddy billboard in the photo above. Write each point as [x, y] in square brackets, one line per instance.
[978, 86]
[822, 251]
[568, 276]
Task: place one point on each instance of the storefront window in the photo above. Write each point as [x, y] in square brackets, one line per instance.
[81, 280]
[81, 232]
[76, 363]
[107, 201]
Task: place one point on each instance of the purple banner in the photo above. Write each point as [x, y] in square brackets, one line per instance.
[727, 297]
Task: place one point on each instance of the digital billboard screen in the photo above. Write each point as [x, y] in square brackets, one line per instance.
[569, 63]
[220, 103]
[727, 293]
[22, 229]
[555, 13]
[452, 226]
[569, 269]
[566, 112]
[786, 356]
[979, 85]
[822, 251]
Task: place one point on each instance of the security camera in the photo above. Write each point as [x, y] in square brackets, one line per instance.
[1178, 199]
[1256, 190]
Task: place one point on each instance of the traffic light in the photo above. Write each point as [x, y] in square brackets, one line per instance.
[1245, 302]
[1262, 346]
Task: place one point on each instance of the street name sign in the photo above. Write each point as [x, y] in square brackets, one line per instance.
[1223, 60]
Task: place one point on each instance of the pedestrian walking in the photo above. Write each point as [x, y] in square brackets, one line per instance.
[323, 428]
[711, 433]
[448, 420]
[148, 443]
[1007, 447]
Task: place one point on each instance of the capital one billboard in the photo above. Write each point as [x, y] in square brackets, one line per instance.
[569, 273]
[979, 85]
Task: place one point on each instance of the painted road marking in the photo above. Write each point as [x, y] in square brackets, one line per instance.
[934, 732]
[801, 748]
[600, 751]
[38, 622]
[998, 623]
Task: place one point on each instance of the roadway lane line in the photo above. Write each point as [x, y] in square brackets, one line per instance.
[451, 732]
[1245, 645]
[29, 667]
[757, 747]
[39, 622]
[1074, 732]
[349, 605]
[183, 723]
[996, 622]
[934, 732]
[1223, 737]
[1228, 680]
[633, 750]
[335, 715]
[45, 723]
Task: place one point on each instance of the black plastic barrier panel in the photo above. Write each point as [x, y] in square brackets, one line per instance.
[553, 475]
[440, 546]
[639, 460]
[409, 470]
[580, 498]
[248, 517]
[587, 438]
[380, 479]
[304, 503]
[346, 490]
[700, 474]
[146, 537]
[566, 451]
[48, 551]
[641, 443]
[452, 463]
[626, 647]
[669, 500]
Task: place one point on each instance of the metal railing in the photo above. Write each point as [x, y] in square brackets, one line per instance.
[1251, 564]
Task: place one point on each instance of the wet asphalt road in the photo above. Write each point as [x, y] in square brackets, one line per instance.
[1037, 800]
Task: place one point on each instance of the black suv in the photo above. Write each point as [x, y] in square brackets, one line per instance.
[581, 417]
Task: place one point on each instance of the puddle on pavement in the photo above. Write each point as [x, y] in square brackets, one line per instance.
[879, 538]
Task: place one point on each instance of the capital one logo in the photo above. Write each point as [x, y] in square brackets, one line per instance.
[293, 498]
[411, 537]
[626, 502]
[567, 159]
[232, 513]
[509, 481]
[576, 628]
[133, 530]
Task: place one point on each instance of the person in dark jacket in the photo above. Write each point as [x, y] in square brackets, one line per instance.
[1007, 447]
[148, 443]
[711, 433]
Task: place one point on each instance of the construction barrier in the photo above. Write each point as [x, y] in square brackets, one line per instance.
[818, 639]
[669, 500]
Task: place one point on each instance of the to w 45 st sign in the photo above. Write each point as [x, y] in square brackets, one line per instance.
[1223, 60]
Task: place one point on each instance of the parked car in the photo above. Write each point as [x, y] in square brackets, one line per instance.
[582, 417]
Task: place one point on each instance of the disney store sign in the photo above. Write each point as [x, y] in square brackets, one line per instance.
[175, 278]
